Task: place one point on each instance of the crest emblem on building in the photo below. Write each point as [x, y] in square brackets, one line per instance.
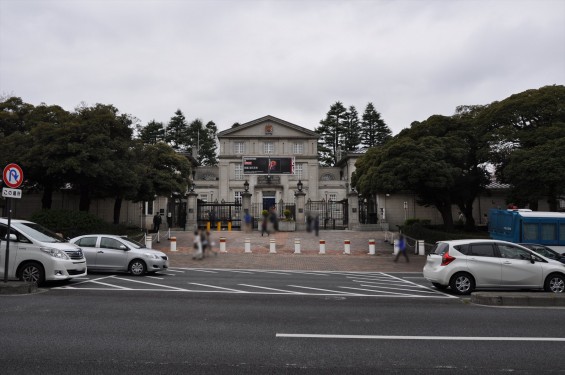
[268, 129]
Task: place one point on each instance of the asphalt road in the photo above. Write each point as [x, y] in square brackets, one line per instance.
[116, 324]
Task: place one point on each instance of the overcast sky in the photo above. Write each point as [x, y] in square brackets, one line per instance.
[235, 61]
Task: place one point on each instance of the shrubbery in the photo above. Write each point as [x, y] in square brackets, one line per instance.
[419, 230]
[75, 223]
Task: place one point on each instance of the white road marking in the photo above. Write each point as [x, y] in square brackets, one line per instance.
[219, 287]
[146, 283]
[443, 338]
[392, 294]
[278, 290]
[326, 290]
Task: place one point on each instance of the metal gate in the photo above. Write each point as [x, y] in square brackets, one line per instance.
[223, 213]
[331, 214]
[280, 207]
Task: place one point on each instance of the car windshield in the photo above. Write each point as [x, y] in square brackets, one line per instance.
[545, 251]
[38, 232]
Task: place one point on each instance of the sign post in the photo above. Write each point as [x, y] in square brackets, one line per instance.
[13, 177]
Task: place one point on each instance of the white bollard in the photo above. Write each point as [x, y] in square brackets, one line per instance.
[223, 245]
[247, 245]
[395, 247]
[322, 246]
[297, 246]
[272, 249]
[421, 247]
[173, 244]
[158, 237]
[148, 241]
[346, 246]
[371, 247]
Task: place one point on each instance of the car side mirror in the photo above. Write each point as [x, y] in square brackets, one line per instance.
[124, 247]
[532, 258]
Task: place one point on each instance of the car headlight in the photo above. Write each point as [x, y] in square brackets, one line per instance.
[152, 256]
[55, 253]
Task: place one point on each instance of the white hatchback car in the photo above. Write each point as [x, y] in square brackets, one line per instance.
[105, 252]
[464, 265]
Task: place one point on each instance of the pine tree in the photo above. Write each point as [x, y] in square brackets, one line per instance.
[152, 133]
[331, 132]
[207, 153]
[177, 132]
[375, 131]
[352, 129]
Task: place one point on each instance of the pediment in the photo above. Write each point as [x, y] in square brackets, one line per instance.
[268, 127]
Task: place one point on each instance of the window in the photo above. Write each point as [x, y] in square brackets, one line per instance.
[269, 148]
[548, 232]
[481, 250]
[237, 196]
[530, 232]
[298, 148]
[299, 170]
[110, 243]
[511, 252]
[238, 172]
[239, 148]
[204, 197]
[87, 242]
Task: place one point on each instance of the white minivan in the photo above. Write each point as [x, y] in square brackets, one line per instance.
[37, 254]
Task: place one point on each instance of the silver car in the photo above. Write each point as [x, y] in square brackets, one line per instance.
[115, 253]
[465, 265]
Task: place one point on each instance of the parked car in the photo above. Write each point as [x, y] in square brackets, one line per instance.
[545, 251]
[464, 265]
[105, 252]
[37, 254]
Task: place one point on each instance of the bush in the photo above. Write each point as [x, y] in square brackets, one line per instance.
[75, 223]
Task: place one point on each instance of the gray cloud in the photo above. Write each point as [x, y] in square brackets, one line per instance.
[235, 61]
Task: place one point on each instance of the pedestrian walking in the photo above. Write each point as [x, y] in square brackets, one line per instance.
[198, 251]
[156, 222]
[401, 248]
[265, 223]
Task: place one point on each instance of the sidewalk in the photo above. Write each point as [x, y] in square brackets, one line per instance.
[285, 258]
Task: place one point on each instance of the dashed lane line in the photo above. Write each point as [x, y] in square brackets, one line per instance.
[273, 289]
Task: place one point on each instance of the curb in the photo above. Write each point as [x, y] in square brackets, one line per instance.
[518, 299]
[17, 287]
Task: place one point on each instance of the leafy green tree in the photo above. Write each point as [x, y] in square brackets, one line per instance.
[435, 159]
[331, 132]
[152, 133]
[527, 122]
[374, 131]
[352, 130]
[12, 116]
[177, 133]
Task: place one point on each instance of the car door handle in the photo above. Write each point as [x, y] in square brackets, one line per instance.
[506, 262]
[100, 252]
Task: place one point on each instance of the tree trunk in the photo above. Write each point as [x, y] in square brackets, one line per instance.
[47, 198]
[444, 209]
[117, 209]
[84, 203]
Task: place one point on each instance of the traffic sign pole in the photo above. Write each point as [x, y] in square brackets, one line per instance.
[13, 176]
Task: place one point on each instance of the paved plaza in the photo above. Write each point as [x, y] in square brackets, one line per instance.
[285, 258]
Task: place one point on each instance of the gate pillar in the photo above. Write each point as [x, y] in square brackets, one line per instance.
[300, 212]
[353, 210]
[191, 221]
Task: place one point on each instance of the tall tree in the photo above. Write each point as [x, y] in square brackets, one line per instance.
[352, 130]
[331, 132]
[375, 131]
[208, 145]
[527, 122]
[177, 134]
[152, 133]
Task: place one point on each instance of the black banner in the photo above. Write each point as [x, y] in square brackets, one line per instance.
[268, 165]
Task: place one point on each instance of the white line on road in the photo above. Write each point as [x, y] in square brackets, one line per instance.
[439, 338]
[327, 290]
[278, 290]
[219, 287]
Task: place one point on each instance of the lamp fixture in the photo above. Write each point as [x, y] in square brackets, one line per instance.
[299, 185]
[246, 186]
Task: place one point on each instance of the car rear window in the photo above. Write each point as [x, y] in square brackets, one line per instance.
[440, 248]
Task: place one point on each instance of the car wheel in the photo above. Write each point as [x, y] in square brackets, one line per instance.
[32, 272]
[462, 283]
[439, 286]
[555, 283]
[137, 267]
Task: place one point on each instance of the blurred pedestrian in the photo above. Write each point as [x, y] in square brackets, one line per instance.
[248, 220]
[156, 222]
[401, 248]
